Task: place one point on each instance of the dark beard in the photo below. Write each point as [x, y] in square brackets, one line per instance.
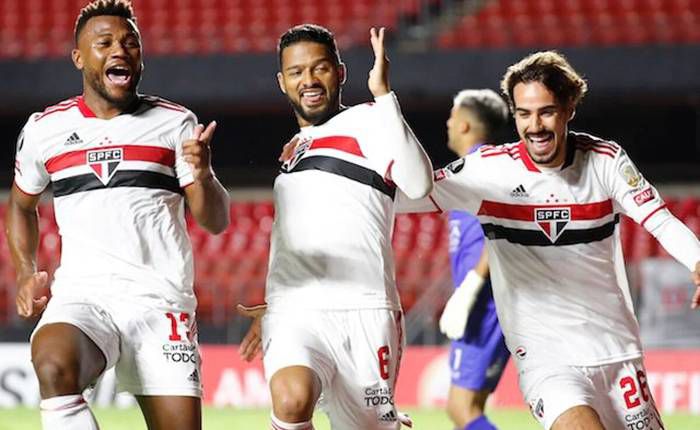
[318, 117]
[95, 82]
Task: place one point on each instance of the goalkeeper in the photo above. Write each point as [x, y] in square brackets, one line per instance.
[478, 353]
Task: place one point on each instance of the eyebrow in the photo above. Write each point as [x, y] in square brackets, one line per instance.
[315, 62]
[521, 109]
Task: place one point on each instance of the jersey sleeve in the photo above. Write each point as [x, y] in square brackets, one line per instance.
[632, 193]
[394, 150]
[454, 189]
[184, 131]
[30, 171]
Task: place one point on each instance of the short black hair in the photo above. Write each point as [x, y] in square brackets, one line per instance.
[308, 33]
[122, 8]
[488, 107]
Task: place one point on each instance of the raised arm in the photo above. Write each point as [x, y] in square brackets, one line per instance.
[411, 170]
[22, 231]
[207, 199]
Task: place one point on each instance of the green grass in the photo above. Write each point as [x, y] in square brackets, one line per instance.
[253, 419]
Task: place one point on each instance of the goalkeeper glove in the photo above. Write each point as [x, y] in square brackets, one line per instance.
[453, 321]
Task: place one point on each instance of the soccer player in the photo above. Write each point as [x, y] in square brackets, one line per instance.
[333, 327]
[121, 166]
[478, 353]
[550, 206]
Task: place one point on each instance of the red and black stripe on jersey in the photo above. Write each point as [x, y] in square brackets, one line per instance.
[571, 235]
[341, 167]
[121, 178]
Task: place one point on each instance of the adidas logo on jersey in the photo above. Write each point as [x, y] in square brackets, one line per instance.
[194, 376]
[389, 416]
[519, 192]
[74, 139]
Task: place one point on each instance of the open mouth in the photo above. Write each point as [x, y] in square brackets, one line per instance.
[541, 141]
[312, 97]
[119, 75]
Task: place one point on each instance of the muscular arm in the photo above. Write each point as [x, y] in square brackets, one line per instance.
[207, 199]
[209, 203]
[22, 231]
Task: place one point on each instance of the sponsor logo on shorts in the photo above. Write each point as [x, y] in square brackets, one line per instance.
[552, 221]
[180, 353]
[644, 196]
[194, 376]
[647, 419]
[388, 417]
[520, 352]
[374, 396]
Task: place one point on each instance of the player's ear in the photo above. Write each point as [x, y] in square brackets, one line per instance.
[77, 59]
[342, 73]
[464, 127]
[280, 82]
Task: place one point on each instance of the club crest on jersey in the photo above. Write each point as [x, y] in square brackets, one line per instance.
[552, 221]
[104, 162]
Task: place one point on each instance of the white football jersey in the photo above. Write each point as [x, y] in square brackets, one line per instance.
[118, 196]
[554, 246]
[334, 213]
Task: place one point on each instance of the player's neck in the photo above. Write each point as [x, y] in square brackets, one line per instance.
[105, 109]
[303, 122]
[467, 146]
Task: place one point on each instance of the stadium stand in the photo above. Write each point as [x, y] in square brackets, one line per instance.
[546, 23]
[43, 28]
[33, 29]
[231, 267]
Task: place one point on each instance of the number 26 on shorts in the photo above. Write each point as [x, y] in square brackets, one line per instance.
[631, 392]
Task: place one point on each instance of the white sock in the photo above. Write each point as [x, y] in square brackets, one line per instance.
[67, 413]
[278, 424]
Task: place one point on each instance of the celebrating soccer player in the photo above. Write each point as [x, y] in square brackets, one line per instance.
[478, 353]
[550, 206]
[334, 324]
[119, 164]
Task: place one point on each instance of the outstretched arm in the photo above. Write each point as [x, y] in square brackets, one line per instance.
[680, 242]
[22, 231]
[207, 199]
[411, 169]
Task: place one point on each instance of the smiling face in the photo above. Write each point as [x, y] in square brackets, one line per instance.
[109, 55]
[311, 79]
[541, 121]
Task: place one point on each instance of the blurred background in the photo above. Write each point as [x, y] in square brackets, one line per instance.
[218, 57]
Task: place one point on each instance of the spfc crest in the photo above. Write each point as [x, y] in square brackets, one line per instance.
[552, 221]
[104, 162]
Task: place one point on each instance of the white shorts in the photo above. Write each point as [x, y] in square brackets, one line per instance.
[153, 347]
[618, 392]
[355, 353]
